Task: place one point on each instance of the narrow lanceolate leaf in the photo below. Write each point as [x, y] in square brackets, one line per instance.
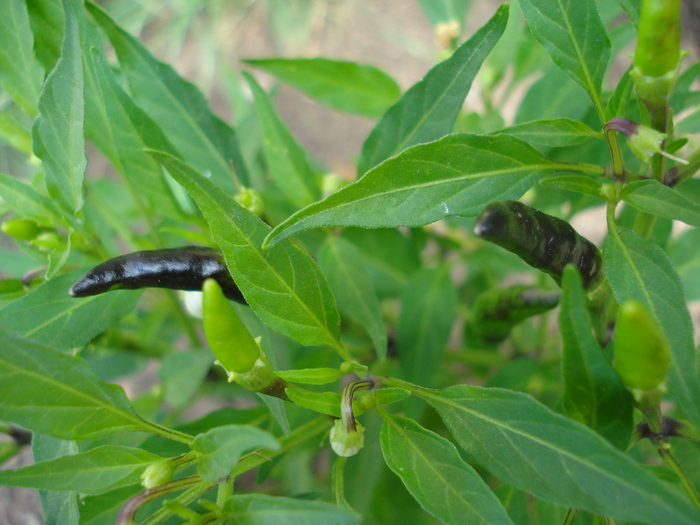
[59, 507]
[26, 201]
[219, 449]
[46, 20]
[344, 86]
[288, 164]
[178, 107]
[93, 472]
[283, 285]
[530, 447]
[58, 394]
[58, 131]
[593, 392]
[349, 277]
[48, 313]
[20, 73]
[436, 476]
[639, 269]
[554, 133]
[129, 130]
[456, 175]
[428, 110]
[653, 197]
[428, 309]
[260, 509]
[574, 35]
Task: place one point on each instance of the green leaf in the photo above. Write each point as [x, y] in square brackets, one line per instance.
[554, 133]
[51, 392]
[178, 107]
[283, 285]
[528, 446]
[349, 278]
[93, 472]
[570, 182]
[435, 474]
[574, 35]
[48, 24]
[653, 197]
[593, 392]
[98, 510]
[128, 131]
[621, 103]
[57, 132]
[288, 164]
[260, 509]
[323, 402]
[389, 395]
[685, 256]
[428, 310]
[20, 73]
[554, 95]
[219, 449]
[48, 313]
[311, 376]
[182, 374]
[344, 86]
[632, 8]
[638, 269]
[428, 110]
[59, 507]
[456, 175]
[28, 202]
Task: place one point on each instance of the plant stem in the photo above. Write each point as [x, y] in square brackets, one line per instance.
[671, 463]
[338, 481]
[570, 517]
[225, 491]
[169, 433]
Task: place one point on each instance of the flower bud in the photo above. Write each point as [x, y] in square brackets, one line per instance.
[347, 442]
[158, 473]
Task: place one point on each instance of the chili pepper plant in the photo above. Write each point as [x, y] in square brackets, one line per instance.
[429, 342]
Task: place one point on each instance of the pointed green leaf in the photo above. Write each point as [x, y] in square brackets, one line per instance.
[260, 509]
[98, 510]
[456, 175]
[574, 35]
[58, 394]
[57, 132]
[435, 474]
[288, 164]
[219, 449]
[593, 392]
[283, 285]
[554, 133]
[428, 310]
[653, 197]
[429, 109]
[638, 269]
[93, 472]
[26, 201]
[59, 507]
[20, 73]
[178, 107]
[47, 22]
[323, 402]
[311, 376]
[632, 8]
[349, 279]
[48, 313]
[129, 130]
[528, 446]
[344, 86]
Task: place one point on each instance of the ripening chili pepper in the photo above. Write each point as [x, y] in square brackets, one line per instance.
[542, 241]
[183, 268]
[496, 312]
[642, 354]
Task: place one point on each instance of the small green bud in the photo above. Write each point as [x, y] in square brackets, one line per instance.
[642, 354]
[21, 229]
[251, 200]
[609, 193]
[158, 473]
[49, 241]
[347, 442]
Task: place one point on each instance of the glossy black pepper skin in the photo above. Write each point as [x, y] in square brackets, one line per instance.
[183, 268]
[542, 241]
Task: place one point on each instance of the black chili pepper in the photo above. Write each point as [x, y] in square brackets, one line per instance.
[542, 241]
[183, 268]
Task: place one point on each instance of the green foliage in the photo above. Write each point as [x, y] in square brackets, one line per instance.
[356, 303]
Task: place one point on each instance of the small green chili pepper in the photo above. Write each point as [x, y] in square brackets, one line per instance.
[21, 228]
[642, 354]
[659, 37]
[183, 268]
[496, 312]
[542, 241]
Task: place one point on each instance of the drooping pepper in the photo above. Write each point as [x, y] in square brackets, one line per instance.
[183, 268]
[497, 311]
[542, 241]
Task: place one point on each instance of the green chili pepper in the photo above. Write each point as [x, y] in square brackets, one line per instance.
[542, 241]
[642, 354]
[659, 37]
[21, 229]
[183, 268]
[496, 312]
